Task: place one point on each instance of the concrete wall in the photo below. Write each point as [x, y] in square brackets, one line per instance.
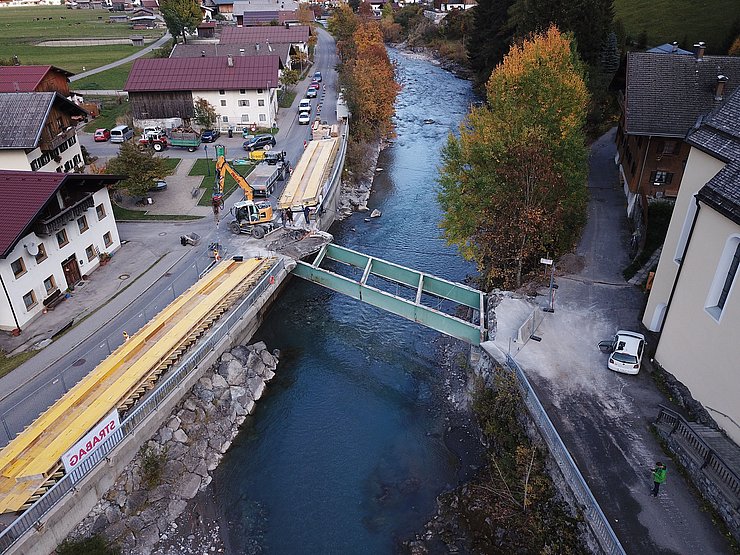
[62, 519]
[700, 168]
[698, 345]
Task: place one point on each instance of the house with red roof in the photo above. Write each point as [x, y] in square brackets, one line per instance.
[242, 90]
[34, 79]
[297, 36]
[54, 227]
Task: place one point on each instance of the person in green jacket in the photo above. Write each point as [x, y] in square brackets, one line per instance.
[659, 473]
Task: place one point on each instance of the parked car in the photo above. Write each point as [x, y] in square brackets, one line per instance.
[311, 92]
[315, 84]
[317, 76]
[259, 141]
[159, 185]
[626, 352]
[101, 135]
[304, 118]
[210, 135]
[304, 105]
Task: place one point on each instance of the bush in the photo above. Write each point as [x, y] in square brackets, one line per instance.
[152, 466]
[360, 155]
[94, 545]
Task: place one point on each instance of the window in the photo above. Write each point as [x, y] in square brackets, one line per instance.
[260, 102]
[100, 209]
[62, 238]
[724, 277]
[82, 224]
[259, 91]
[18, 267]
[222, 91]
[223, 103]
[670, 147]
[245, 118]
[29, 299]
[225, 119]
[41, 256]
[90, 253]
[661, 177]
[263, 117]
[244, 103]
[242, 91]
[107, 239]
[50, 284]
[688, 221]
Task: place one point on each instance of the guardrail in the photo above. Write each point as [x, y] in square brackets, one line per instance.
[59, 491]
[595, 517]
[701, 450]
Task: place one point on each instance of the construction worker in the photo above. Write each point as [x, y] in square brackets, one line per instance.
[125, 337]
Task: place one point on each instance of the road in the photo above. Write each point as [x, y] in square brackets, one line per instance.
[27, 390]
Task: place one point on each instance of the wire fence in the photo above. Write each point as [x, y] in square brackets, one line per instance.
[31, 517]
[595, 517]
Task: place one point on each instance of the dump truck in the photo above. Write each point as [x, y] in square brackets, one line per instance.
[185, 139]
[265, 175]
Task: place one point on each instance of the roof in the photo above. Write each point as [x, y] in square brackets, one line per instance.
[667, 48]
[257, 18]
[269, 33]
[249, 6]
[17, 218]
[203, 73]
[25, 78]
[212, 50]
[207, 25]
[719, 135]
[24, 116]
[666, 93]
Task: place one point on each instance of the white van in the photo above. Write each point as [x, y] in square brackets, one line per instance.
[304, 106]
[121, 133]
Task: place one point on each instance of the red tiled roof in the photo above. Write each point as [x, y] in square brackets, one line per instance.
[24, 78]
[241, 35]
[203, 74]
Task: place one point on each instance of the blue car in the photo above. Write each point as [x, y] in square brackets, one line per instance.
[210, 135]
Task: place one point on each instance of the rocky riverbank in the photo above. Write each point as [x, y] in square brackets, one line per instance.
[158, 504]
[356, 189]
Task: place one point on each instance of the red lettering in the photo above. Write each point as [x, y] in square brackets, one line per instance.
[73, 460]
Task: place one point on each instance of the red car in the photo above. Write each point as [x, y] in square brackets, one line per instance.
[315, 84]
[101, 135]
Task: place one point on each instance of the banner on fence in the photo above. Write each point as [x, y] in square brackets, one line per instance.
[90, 441]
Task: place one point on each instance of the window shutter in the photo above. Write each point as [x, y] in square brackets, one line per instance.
[668, 178]
[652, 176]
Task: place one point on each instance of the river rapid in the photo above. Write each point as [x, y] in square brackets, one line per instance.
[362, 427]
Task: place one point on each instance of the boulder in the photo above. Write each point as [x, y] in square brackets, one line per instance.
[173, 423]
[225, 446]
[186, 417]
[233, 373]
[267, 358]
[268, 375]
[241, 353]
[259, 368]
[165, 434]
[189, 404]
[135, 501]
[238, 394]
[189, 485]
[219, 382]
[227, 357]
[147, 538]
[175, 509]
[180, 436]
[205, 383]
[259, 346]
[256, 386]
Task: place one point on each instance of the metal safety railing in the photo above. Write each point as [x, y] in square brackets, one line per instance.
[32, 516]
[593, 514]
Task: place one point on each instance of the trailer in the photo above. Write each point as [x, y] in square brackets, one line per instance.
[185, 139]
[264, 175]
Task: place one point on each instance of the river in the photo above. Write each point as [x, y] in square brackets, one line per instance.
[359, 432]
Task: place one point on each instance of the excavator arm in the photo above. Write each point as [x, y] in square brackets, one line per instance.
[222, 166]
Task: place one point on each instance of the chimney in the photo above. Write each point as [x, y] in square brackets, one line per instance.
[719, 90]
[257, 46]
[229, 61]
[699, 49]
[674, 47]
[241, 52]
[202, 53]
[269, 47]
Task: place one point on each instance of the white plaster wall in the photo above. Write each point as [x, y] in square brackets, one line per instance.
[700, 168]
[35, 274]
[14, 160]
[699, 350]
[234, 112]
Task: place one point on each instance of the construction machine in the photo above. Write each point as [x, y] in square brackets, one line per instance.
[254, 218]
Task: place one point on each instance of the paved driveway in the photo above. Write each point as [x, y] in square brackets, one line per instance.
[604, 417]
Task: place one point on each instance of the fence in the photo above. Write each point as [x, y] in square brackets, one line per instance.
[592, 511]
[34, 514]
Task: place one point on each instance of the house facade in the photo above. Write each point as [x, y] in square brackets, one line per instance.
[695, 298]
[34, 79]
[38, 132]
[242, 89]
[52, 239]
[665, 94]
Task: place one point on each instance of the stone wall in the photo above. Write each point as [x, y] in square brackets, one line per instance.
[141, 508]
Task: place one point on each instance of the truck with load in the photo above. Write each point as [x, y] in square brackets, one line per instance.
[185, 139]
[265, 175]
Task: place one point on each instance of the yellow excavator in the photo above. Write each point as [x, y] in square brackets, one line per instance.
[254, 218]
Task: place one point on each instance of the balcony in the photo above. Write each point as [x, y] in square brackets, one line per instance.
[47, 144]
[51, 225]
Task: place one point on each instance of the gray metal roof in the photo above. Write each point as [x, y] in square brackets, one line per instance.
[666, 93]
[24, 116]
[210, 50]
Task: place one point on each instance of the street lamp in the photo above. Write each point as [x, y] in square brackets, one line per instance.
[208, 162]
[550, 262]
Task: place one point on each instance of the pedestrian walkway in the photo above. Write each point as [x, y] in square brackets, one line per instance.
[143, 52]
[641, 275]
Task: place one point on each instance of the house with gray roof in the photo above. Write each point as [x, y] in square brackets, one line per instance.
[282, 51]
[694, 301]
[665, 96]
[38, 132]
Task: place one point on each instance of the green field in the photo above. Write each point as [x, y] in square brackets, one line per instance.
[685, 21]
[23, 28]
[113, 79]
[201, 167]
[110, 111]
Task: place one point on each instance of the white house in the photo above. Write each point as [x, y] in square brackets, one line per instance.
[695, 299]
[54, 228]
[242, 89]
[37, 132]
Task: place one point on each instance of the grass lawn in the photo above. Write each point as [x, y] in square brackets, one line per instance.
[171, 164]
[201, 167]
[229, 185]
[112, 79]
[10, 363]
[110, 111]
[123, 214]
[286, 99]
[23, 28]
[685, 21]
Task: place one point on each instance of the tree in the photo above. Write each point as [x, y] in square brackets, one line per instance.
[354, 4]
[342, 25]
[289, 77]
[181, 17]
[610, 54]
[205, 113]
[513, 184]
[306, 15]
[141, 168]
[490, 37]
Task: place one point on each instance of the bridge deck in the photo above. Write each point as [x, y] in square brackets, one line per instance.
[304, 185]
[27, 461]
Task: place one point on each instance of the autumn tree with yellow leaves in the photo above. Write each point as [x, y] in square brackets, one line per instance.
[513, 185]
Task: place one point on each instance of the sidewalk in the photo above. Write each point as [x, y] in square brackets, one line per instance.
[604, 417]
